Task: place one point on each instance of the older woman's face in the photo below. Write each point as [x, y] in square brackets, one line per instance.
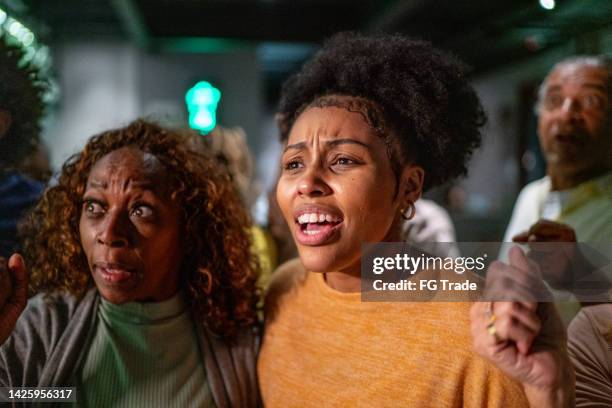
[337, 188]
[130, 228]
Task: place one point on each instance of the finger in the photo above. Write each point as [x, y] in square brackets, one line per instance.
[508, 328]
[6, 286]
[545, 230]
[531, 271]
[20, 278]
[518, 259]
[526, 316]
[509, 283]
[522, 237]
[482, 340]
[543, 223]
[529, 306]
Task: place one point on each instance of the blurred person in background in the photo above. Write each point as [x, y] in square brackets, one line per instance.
[144, 291]
[590, 349]
[367, 125]
[37, 164]
[229, 146]
[21, 110]
[573, 203]
[575, 129]
[431, 228]
[279, 230]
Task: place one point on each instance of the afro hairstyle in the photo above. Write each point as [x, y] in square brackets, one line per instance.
[423, 93]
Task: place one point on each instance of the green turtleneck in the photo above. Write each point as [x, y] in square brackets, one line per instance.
[143, 355]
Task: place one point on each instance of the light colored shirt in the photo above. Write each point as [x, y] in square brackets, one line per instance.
[144, 355]
[431, 229]
[587, 208]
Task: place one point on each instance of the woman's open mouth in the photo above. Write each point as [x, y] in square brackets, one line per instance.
[115, 274]
[317, 226]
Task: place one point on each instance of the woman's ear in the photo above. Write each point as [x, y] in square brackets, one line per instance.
[5, 122]
[411, 183]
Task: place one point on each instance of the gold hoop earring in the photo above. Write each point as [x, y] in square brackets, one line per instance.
[411, 213]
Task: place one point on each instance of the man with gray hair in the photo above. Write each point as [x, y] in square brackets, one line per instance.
[575, 131]
[574, 201]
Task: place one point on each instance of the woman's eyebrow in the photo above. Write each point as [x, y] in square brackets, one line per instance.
[97, 184]
[337, 142]
[295, 146]
[329, 143]
[143, 185]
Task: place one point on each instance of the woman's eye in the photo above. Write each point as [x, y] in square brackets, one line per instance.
[93, 207]
[142, 211]
[343, 161]
[292, 165]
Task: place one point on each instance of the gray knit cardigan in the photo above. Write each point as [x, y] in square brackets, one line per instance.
[53, 335]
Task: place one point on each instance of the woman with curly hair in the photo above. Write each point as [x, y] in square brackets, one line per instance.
[367, 125]
[144, 295]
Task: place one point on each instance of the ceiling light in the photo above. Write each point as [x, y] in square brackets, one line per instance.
[547, 4]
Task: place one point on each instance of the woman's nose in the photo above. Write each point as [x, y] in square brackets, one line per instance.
[114, 231]
[312, 183]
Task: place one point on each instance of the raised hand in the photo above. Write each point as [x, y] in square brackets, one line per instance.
[552, 246]
[13, 293]
[564, 263]
[547, 231]
[522, 337]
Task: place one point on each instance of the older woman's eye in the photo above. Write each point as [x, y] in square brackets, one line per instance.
[93, 207]
[293, 165]
[142, 211]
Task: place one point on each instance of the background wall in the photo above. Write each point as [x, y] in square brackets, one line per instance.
[108, 84]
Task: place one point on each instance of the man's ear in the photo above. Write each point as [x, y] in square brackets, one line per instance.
[411, 183]
[5, 122]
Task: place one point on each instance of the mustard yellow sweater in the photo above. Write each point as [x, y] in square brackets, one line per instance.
[326, 348]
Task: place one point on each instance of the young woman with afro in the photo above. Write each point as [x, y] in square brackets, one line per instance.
[368, 124]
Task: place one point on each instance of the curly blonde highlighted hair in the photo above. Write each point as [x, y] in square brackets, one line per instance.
[218, 274]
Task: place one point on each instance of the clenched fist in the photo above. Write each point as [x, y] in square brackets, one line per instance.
[13, 293]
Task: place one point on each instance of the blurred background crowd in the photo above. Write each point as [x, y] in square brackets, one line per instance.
[107, 62]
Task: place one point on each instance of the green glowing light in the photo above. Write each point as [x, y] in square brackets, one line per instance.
[202, 100]
[18, 34]
[15, 33]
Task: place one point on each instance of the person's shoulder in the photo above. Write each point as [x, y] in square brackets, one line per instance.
[39, 330]
[13, 183]
[597, 318]
[287, 277]
[50, 311]
[52, 302]
[539, 186]
[430, 208]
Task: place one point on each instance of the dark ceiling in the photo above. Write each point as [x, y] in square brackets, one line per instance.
[485, 33]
